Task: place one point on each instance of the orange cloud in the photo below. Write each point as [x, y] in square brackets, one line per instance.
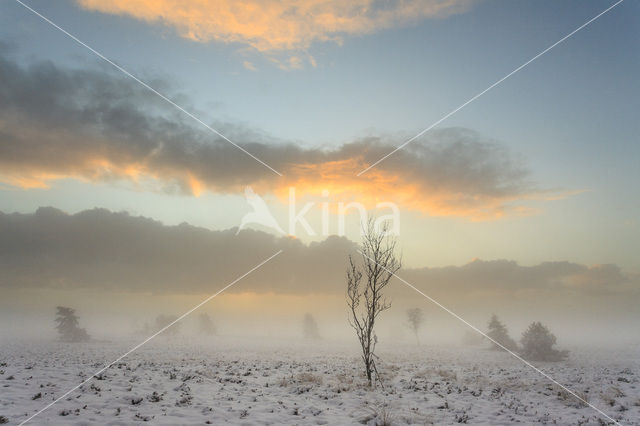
[270, 25]
[339, 181]
[468, 179]
[102, 129]
[101, 170]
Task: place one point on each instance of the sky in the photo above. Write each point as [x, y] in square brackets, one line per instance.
[539, 173]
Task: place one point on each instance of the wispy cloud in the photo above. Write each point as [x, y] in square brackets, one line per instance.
[249, 65]
[92, 125]
[269, 25]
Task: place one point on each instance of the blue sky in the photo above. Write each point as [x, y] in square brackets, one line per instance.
[571, 115]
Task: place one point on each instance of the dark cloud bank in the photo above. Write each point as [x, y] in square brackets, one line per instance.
[96, 125]
[110, 251]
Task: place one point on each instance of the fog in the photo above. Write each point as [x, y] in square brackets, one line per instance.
[268, 316]
[120, 272]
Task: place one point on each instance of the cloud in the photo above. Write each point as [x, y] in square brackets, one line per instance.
[108, 251]
[114, 251]
[274, 25]
[451, 172]
[249, 65]
[480, 276]
[93, 125]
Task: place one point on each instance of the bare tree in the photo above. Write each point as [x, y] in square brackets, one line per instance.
[310, 327]
[365, 298]
[206, 326]
[67, 326]
[415, 319]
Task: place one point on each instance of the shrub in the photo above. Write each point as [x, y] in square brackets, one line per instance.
[67, 326]
[498, 332]
[537, 344]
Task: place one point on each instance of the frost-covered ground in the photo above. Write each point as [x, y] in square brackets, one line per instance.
[287, 382]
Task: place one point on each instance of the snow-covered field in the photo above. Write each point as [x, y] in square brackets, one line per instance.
[291, 382]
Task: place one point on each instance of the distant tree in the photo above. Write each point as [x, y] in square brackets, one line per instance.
[415, 319]
[537, 344]
[67, 325]
[310, 327]
[206, 326]
[366, 300]
[163, 320]
[498, 332]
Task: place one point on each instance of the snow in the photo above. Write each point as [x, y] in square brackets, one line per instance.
[227, 380]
